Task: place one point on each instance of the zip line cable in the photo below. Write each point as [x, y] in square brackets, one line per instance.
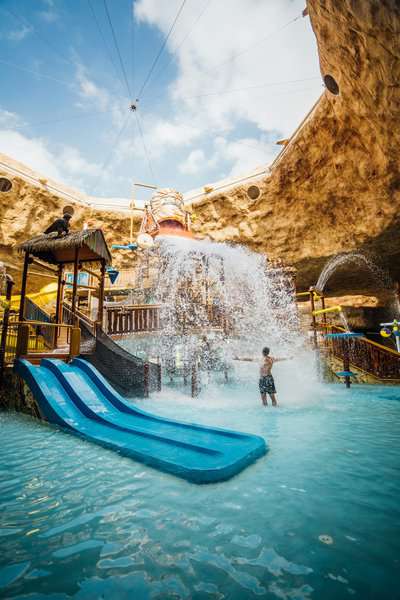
[42, 75]
[174, 50]
[117, 48]
[257, 43]
[133, 40]
[109, 157]
[53, 121]
[26, 23]
[161, 50]
[145, 147]
[106, 46]
[251, 87]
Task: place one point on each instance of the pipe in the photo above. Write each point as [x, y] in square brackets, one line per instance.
[322, 311]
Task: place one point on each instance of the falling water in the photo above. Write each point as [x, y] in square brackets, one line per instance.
[381, 276]
[219, 302]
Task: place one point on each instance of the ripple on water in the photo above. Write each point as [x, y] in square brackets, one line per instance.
[77, 520]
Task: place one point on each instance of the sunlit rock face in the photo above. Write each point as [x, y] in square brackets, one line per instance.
[337, 186]
[27, 209]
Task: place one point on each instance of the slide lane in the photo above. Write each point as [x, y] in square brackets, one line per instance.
[78, 398]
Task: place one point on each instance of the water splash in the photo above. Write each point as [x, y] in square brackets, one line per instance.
[382, 278]
[219, 301]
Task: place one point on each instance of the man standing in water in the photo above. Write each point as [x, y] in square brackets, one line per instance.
[266, 382]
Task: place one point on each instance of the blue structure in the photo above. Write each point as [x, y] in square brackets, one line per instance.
[77, 398]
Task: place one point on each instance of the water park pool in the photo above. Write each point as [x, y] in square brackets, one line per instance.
[317, 517]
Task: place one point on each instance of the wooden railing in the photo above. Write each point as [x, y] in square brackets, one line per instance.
[366, 355]
[132, 319]
[26, 339]
[33, 312]
[68, 317]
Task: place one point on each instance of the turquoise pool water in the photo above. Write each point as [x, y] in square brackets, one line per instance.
[318, 517]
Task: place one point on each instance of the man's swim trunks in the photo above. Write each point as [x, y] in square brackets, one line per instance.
[267, 385]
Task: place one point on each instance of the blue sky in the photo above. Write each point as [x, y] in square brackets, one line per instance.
[234, 76]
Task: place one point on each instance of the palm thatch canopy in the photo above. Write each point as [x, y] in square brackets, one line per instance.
[60, 250]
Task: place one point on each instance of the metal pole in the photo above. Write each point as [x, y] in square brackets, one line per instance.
[314, 320]
[146, 379]
[23, 287]
[75, 284]
[101, 293]
[3, 341]
[58, 301]
[346, 361]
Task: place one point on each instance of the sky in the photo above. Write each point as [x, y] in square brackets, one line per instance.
[215, 84]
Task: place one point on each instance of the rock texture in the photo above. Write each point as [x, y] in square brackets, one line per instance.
[27, 209]
[336, 186]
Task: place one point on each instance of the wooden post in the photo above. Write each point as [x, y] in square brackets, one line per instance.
[101, 293]
[23, 287]
[3, 340]
[58, 302]
[75, 285]
[75, 342]
[22, 340]
[146, 379]
[323, 314]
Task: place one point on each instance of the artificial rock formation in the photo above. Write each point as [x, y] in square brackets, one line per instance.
[335, 187]
[27, 209]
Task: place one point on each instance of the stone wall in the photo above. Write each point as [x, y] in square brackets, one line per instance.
[335, 188]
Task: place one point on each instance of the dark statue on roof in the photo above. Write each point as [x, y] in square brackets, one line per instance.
[61, 225]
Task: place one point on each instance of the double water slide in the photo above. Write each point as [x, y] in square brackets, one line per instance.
[78, 398]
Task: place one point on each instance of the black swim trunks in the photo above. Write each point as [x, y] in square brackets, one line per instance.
[267, 385]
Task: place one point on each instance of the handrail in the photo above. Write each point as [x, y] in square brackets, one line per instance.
[132, 306]
[367, 341]
[44, 323]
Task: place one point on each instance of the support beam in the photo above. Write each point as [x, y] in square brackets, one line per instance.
[3, 339]
[101, 292]
[75, 284]
[23, 286]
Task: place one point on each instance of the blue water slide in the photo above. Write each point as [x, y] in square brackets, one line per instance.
[76, 397]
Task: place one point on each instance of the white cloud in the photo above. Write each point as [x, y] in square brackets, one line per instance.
[17, 35]
[243, 154]
[9, 120]
[50, 13]
[195, 162]
[230, 50]
[63, 163]
[90, 92]
[33, 152]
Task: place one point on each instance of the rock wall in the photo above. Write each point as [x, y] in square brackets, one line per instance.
[27, 209]
[336, 187]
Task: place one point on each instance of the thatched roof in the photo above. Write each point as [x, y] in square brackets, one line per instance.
[57, 250]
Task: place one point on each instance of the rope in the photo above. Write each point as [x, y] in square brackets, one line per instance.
[38, 35]
[108, 51]
[66, 83]
[161, 50]
[174, 50]
[145, 147]
[117, 48]
[257, 43]
[251, 87]
[108, 159]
